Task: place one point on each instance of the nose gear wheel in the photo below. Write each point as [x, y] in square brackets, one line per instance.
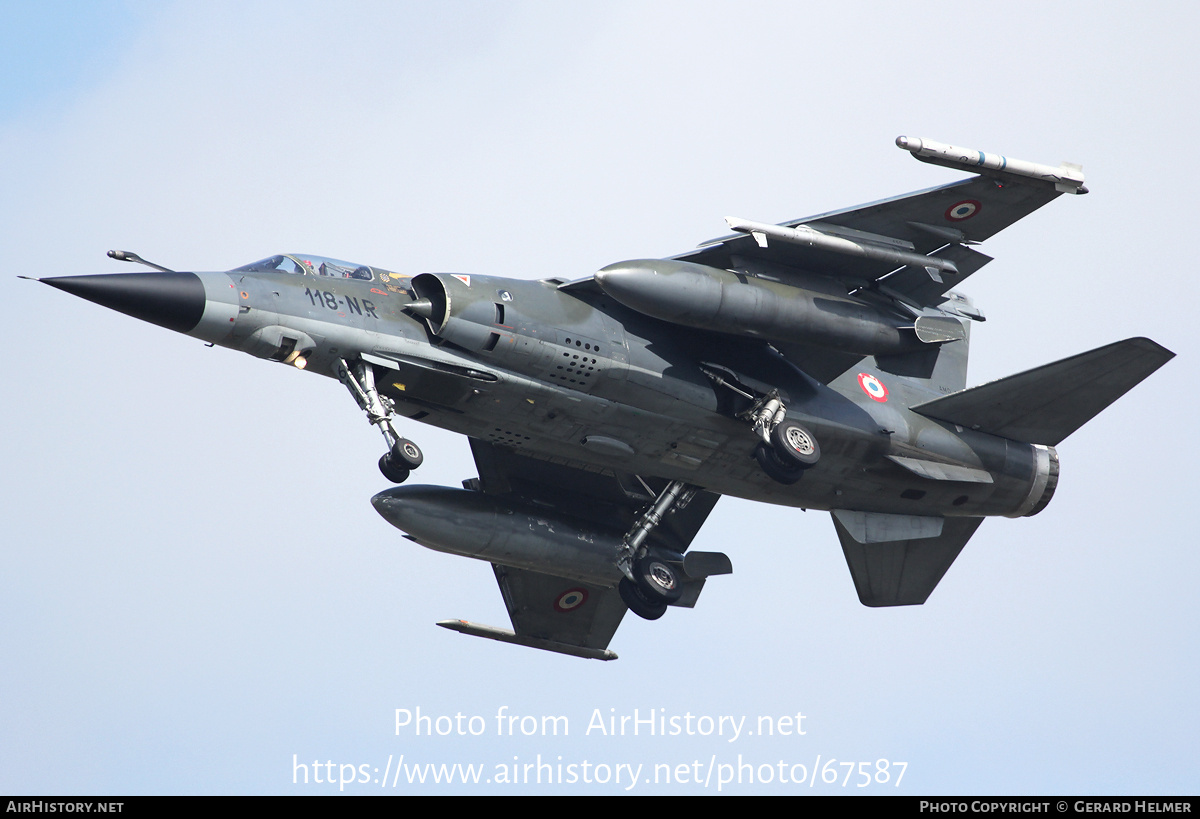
[394, 473]
[406, 452]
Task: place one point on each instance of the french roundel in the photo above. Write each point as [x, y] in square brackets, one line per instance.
[570, 599]
[873, 387]
[963, 210]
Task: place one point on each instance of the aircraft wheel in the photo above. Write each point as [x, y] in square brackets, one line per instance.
[794, 444]
[396, 473]
[657, 580]
[407, 453]
[637, 602]
[768, 459]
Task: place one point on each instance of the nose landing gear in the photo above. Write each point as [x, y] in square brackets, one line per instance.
[403, 455]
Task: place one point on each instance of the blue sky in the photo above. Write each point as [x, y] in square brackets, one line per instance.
[57, 50]
[196, 591]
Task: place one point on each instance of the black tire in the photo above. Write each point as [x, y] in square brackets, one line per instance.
[637, 602]
[657, 580]
[393, 472]
[407, 453]
[794, 444]
[786, 474]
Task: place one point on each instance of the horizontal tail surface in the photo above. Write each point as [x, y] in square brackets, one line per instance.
[1046, 404]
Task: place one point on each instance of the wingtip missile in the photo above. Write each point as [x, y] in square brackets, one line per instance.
[1067, 177]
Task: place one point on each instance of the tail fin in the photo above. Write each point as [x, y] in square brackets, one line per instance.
[942, 367]
[897, 560]
[1046, 404]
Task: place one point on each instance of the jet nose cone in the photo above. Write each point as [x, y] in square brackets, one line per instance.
[172, 300]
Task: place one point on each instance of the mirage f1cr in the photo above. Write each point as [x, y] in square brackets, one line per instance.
[819, 363]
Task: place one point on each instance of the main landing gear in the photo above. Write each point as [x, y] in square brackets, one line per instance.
[651, 582]
[403, 455]
[787, 448]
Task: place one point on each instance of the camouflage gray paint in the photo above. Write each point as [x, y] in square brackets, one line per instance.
[817, 364]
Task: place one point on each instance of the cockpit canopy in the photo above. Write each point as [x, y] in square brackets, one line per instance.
[303, 264]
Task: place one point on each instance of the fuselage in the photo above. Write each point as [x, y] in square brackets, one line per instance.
[568, 374]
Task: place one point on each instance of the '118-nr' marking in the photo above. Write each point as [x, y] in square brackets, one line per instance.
[320, 297]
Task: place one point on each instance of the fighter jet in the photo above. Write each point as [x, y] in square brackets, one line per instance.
[818, 364]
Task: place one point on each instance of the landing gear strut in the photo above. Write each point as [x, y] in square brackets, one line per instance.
[403, 455]
[651, 583]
